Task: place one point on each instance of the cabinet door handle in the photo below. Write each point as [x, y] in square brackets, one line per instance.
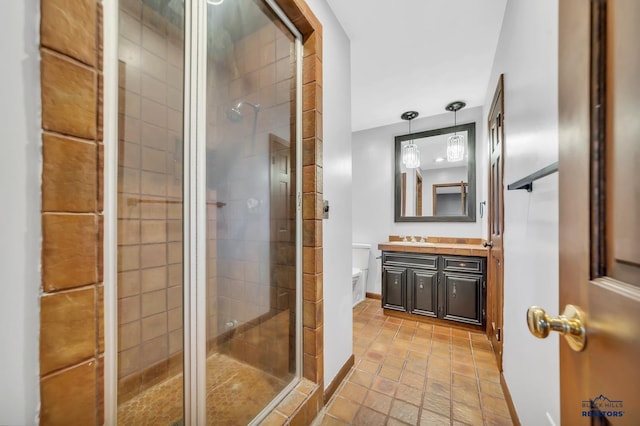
[453, 293]
[395, 282]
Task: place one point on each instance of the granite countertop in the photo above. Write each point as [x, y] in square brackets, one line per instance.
[435, 248]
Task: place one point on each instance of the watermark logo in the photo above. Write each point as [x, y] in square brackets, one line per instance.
[601, 406]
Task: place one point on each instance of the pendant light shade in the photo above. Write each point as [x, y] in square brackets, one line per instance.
[410, 152]
[455, 148]
[455, 144]
[411, 156]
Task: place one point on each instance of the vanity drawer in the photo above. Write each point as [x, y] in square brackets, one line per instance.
[463, 264]
[410, 260]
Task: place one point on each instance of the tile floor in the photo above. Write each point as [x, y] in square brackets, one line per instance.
[236, 392]
[417, 374]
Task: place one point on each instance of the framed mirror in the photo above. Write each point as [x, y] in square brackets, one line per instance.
[440, 189]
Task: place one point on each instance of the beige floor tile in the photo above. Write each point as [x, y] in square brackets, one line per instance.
[412, 379]
[416, 366]
[491, 419]
[404, 412]
[368, 366]
[343, 409]
[409, 394]
[466, 414]
[429, 418]
[398, 352]
[469, 396]
[385, 386]
[495, 405]
[361, 378]
[437, 403]
[331, 421]
[353, 392]
[438, 387]
[488, 375]
[374, 356]
[378, 402]
[491, 389]
[368, 417]
[390, 373]
[394, 361]
[463, 368]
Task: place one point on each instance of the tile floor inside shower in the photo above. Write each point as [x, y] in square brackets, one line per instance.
[236, 392]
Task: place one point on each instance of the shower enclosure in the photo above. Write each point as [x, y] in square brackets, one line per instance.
[208, 210]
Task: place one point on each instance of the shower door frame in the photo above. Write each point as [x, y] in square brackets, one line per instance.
[194, 210]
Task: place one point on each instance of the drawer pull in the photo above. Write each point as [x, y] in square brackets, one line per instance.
[462, 264]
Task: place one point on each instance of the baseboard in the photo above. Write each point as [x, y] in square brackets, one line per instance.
[333, 386]
[374, 296]
[507, 397]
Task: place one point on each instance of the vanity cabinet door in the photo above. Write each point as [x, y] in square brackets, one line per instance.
[394, 288]
[462, 297]
[423, 290]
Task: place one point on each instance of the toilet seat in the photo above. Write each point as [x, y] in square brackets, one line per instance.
[355, 273]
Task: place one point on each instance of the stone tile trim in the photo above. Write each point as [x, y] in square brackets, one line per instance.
[71, 319]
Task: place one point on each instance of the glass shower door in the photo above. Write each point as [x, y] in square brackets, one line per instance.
[208, 261]
[150, 205]
[252, 230]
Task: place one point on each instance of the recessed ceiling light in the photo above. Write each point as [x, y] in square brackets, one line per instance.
[439, 159]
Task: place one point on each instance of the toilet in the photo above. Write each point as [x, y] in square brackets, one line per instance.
[359, 268]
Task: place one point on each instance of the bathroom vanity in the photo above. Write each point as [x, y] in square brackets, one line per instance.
[441, 280]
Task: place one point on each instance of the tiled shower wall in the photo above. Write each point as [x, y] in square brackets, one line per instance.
[255, 264]
[150, 204]
[71, 319]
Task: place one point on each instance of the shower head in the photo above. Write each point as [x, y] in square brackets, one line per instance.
[234, 114]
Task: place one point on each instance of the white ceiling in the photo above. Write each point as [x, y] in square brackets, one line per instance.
[417, 55]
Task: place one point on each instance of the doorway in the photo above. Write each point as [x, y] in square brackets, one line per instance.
[208, 306]
[495, 267]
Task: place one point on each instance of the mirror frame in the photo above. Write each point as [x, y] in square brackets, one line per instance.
[470, 128]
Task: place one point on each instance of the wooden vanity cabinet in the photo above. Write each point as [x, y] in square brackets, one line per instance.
[394, 288]
[448, 287]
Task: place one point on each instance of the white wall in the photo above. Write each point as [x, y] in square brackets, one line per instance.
[373, 187]
[338, 317]
[435, 176]
[20, 165]
[527, 55]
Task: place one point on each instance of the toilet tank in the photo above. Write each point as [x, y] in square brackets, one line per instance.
[360, 255]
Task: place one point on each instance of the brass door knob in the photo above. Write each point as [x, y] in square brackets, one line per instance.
[571, 324]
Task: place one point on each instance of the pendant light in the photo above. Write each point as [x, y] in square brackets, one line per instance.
[410, 152]
[455, 143]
